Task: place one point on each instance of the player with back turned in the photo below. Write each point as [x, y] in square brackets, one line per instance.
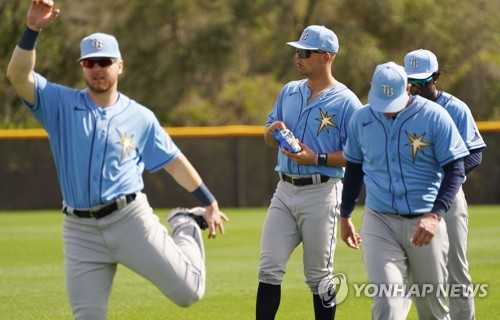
[305, 206]
[423, 72]
[409, 154]
[101, 142]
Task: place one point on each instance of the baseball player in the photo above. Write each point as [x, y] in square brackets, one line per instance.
[410, 156]
[305, 205]
[423, 72]
[101, 142]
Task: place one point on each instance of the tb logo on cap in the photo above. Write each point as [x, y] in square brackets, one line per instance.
[414, 63]
[305, 34]
[388, 91]
[97, 43]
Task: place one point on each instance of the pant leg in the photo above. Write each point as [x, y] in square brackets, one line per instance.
[280, 236]
[461, 307]
[89, 268]
[140, 242]
[427, 269]
[385, 261]
[317, 217]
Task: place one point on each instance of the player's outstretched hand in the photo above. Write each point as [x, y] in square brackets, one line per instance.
[349, 234]
[41, 13]
[427, 227]
[214, 218]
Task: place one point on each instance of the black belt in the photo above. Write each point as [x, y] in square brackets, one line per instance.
[408, 216]
[302, 181]
[101, 212]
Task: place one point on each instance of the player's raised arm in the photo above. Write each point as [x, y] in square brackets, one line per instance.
[187, 177]
[20, 70]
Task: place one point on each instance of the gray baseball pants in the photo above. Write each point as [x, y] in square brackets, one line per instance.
[301, 214]
[134, 237]
[456, 218]
[391, 258]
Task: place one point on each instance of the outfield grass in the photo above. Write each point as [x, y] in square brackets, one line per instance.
[32, 278]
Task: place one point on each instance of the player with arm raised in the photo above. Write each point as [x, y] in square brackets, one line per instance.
[101, 142]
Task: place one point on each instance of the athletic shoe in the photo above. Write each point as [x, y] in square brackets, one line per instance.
[195, 213]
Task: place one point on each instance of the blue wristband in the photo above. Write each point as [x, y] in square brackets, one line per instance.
[203, 195]
[28, 39]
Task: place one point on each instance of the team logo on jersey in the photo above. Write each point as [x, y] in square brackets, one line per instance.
[417, 144]
[126, 143]
[325, 122]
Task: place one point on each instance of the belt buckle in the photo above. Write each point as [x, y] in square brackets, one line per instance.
[294, 180]
[92, 214]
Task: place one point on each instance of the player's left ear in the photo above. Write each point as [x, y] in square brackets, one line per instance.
[329, 56]
[408, 88]
[120, 66]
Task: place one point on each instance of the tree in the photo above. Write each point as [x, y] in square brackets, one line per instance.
[216, 62]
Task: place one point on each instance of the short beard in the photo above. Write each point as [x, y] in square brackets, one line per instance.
[106, 87]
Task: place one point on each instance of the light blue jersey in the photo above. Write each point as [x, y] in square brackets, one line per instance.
[99, 155]
[403, 157]
[321, 125]
[462, 116]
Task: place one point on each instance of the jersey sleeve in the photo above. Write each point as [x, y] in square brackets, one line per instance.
[449, 144]
[464, 120]
[276, 113]
[47, 103]
[353, 104]
[159, 149]
[469, 130]
[352, 150]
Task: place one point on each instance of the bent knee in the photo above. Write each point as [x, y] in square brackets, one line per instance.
[187, 298]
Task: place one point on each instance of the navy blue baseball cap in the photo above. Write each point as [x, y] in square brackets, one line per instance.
[99, 45]
[317, 38]
[388, 88]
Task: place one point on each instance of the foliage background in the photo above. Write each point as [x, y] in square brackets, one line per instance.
[220, 62]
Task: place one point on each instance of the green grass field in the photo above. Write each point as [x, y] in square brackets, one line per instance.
[32, 278]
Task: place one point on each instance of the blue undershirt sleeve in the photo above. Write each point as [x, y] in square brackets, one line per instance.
[473, 160]
[353, 184]
[454, 176]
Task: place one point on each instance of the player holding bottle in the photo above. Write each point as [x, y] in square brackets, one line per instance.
[305, 206]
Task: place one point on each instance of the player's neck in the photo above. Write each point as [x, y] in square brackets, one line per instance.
[430, 94]
[319, 88]
[104, 99]
[321, 84]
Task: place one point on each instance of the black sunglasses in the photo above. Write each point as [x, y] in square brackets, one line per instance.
[420, 83]
[102, 62]
[303, 53]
